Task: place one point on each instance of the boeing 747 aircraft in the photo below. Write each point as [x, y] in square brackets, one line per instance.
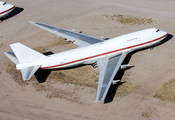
[106, 55]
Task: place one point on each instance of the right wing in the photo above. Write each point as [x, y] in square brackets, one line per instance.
[108, 68]
[77, 38]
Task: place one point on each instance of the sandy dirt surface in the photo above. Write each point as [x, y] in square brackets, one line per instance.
[151, 67]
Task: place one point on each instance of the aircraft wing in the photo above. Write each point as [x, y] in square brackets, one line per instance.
[77, 38]
[108, 68]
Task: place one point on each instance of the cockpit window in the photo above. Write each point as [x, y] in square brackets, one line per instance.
[157, 30]
[4, 3]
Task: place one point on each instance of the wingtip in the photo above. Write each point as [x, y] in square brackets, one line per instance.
[6, 53]
[31, 22]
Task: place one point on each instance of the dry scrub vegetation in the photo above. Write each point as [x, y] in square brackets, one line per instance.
[166, 91]
[146, 114]
[41, 49]
[56, 92]
[129, 20]
[61, 41]
[83, 76]
[47, 87]
[125, 89]
[16, 74]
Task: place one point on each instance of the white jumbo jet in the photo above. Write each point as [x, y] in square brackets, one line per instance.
[106, 55]
[5, 9]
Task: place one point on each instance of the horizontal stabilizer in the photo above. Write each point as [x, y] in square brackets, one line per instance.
[12, 57]
[28, 72]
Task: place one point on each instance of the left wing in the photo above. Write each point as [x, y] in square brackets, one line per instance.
[108, 68]
[77, 38]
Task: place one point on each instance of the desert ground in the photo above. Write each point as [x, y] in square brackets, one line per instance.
[72, 101]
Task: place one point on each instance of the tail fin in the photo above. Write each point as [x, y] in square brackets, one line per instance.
[23, 57]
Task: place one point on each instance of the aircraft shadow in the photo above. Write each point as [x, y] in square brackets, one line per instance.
[42, 75]
[16, 11]
[113, 88]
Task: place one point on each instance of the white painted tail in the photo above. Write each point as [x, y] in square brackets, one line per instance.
[24, 58]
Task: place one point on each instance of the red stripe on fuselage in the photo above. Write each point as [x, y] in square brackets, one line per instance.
[8, 10]
[103, 53]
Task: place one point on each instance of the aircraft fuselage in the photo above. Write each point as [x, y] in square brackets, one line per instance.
[88, 54]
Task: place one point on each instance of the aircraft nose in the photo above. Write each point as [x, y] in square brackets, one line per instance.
[8, 5]
[163, 32]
